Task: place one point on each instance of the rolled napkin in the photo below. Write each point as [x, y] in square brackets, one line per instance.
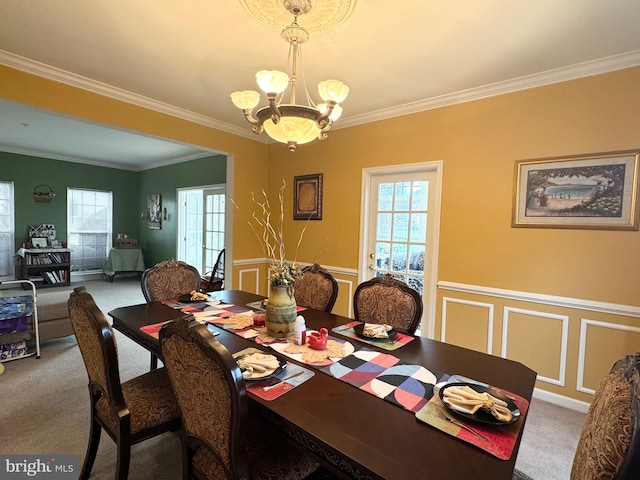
[257, 365]
[467, 400]
[194, 295]
[376, 330]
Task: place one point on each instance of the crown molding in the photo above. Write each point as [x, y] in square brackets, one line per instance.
[572, 72]
[56, 74]
[105, 163]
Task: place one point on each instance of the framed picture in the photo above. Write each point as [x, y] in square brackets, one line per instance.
[154, 212]
[39, 242]
[307, 197]
[596, 191]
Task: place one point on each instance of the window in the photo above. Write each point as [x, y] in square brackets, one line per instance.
[89, 231]
[6, 230]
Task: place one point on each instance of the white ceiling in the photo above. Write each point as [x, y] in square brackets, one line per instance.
[185, 58]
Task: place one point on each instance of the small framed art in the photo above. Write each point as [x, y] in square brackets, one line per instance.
[307, 197]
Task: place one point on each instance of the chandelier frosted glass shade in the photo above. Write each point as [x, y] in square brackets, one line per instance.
[333, 90]
[292, 130]
[272, 81]
[245, 100]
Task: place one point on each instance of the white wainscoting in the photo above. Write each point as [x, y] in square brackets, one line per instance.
[617, 311]
[584, 325]
[562, 367]
[488, 306]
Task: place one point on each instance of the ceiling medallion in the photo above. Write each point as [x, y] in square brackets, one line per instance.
[325, 16]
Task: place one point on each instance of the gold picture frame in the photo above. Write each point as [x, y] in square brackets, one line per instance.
[307, 197]
[593, 191]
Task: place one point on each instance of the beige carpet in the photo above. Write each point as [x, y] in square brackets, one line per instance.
[44, 408]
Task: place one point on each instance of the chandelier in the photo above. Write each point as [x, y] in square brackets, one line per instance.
[289, 122]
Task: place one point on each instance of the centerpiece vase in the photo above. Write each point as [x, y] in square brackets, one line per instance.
[281, 311]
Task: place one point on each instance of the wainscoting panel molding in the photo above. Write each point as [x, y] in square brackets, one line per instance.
[247, 277]
[562, 341]
[571, 342]
[342, 292]
[605, 356]
[489, 307]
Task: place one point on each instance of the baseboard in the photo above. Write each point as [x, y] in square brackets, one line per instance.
[83, 276]
[561, 400]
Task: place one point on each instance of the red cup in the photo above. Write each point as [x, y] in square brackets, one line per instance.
[259, 319]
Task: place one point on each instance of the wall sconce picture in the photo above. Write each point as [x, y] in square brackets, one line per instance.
[43, 194]
[154, 211]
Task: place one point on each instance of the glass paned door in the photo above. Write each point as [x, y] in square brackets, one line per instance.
[213, 234]
[201, 226]
[401, 234]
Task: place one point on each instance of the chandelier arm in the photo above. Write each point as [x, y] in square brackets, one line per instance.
[273, 108]
[248, 114]
[323, 121]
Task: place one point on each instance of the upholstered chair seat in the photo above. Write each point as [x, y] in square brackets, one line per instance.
[149, 404]
[388, 300]
[317, 288]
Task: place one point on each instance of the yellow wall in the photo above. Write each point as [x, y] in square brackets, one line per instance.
[478, 143]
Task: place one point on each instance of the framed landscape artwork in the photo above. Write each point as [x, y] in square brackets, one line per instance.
[307, 197]
[597, 191]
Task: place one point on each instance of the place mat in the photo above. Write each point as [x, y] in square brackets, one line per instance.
[500, 439]
[291, 377]
[387, 377]
[399, 340]
[154, 329]
[301, 353]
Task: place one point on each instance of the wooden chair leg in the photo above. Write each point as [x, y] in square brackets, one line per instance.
[124, 457]
[92, 449]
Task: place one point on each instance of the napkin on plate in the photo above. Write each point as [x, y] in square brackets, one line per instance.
[376, 330]
[257, 365]
[467, 400]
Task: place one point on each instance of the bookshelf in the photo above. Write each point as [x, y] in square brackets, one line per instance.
[45, 267]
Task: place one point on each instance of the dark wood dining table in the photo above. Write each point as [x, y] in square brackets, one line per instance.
[354, 433]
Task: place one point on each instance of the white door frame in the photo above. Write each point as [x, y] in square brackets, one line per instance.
[363, 260]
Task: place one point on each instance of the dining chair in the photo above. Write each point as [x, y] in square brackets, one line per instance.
[388, 300]
[219, 440]
[317, 288]
[129, 412]
[169, 279]
[214, 281]
[609, 446]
